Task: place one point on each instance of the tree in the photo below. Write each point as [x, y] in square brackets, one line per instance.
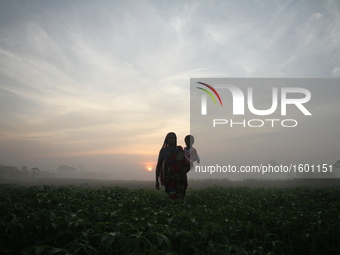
[35, 172]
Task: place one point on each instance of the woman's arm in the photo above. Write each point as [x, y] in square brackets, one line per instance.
[158, 167]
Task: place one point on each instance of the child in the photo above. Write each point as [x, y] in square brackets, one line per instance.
[190, 152]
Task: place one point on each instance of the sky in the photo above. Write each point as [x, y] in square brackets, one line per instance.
[98, 84]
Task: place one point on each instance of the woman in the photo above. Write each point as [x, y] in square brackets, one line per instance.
[172, 167]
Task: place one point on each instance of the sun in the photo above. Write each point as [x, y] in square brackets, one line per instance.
[148, 166]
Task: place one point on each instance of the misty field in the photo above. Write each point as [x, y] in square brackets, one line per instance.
[215, 220]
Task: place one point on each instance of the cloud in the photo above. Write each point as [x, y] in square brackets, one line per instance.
[336, 72]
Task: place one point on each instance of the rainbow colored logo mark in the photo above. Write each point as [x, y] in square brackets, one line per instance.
[209, 93]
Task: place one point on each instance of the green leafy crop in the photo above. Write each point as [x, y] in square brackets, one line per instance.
[81, 220]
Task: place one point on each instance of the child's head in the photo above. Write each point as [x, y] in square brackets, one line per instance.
[189, 140]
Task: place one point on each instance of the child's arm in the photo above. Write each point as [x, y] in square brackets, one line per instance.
[196, 157]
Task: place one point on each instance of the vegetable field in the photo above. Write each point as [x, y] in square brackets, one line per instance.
[239, 220]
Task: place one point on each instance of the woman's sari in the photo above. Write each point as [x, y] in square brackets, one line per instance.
[173, 171]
